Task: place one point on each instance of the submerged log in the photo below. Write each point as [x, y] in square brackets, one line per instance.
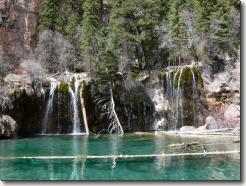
[124, 156]
[184, 145]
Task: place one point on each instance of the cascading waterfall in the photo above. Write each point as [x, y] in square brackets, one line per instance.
[74, 96]
[175, 84]
[179, 104]
[194, 92]
[169, 88]
[53, 86]
[160, 103]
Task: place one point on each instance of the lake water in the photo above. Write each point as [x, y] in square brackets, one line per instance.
[210, 167]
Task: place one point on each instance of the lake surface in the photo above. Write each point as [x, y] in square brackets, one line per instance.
[210, 167]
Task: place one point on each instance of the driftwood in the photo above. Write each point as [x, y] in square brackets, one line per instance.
[84, 112]
[236, 141]
[184, 145]
[124, 156]
[204, 132]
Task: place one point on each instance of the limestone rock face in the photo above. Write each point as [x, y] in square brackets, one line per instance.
[223, 95]
[232, 115]
[8, 127]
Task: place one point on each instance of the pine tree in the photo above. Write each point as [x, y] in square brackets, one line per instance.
[50, 17]
[134, 21]
[90, 28]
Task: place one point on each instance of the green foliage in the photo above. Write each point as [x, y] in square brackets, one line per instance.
[133, 21]
[90, 28]
[135, 74]
[50, 17]
[191, 30]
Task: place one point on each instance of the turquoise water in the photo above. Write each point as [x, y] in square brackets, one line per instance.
[222, 167]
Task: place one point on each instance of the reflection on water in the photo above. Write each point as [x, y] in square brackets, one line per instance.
[78, 166]
[161, 168]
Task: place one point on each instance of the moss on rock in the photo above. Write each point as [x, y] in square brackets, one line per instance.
[162, 75]
[63, 87]
[198, 76]
[186, 79]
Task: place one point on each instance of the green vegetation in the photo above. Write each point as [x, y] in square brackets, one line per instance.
[63, 87]
[143, 34]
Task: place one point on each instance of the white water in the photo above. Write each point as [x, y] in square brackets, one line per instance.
[179, 104]
[194, 94]
[53, 86]
[75, 96]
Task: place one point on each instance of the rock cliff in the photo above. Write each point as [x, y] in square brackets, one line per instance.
[18, 28]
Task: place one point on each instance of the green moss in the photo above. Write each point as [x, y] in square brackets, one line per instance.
[162, 75]
[135, 74]
[186, 79]
[63, 87]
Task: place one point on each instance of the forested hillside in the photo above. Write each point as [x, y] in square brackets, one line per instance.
[136, 34]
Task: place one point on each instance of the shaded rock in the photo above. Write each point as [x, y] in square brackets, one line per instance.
[8, 127]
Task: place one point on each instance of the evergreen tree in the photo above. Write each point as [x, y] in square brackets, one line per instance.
[134, 21]
[50, 17]
[90, 28]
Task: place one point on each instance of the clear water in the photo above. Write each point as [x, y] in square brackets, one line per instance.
[222, 167]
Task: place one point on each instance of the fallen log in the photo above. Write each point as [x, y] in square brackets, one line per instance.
[84, 112]
[123, 156]
[236, 141]
[184, 145]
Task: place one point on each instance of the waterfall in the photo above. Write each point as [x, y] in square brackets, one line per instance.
[179, 104]
[161, 104]
[194, 94]
[169, 87]
[53, 86]
[74, 96]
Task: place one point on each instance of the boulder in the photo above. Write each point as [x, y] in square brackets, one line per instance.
[212, 123]
[8, 127]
